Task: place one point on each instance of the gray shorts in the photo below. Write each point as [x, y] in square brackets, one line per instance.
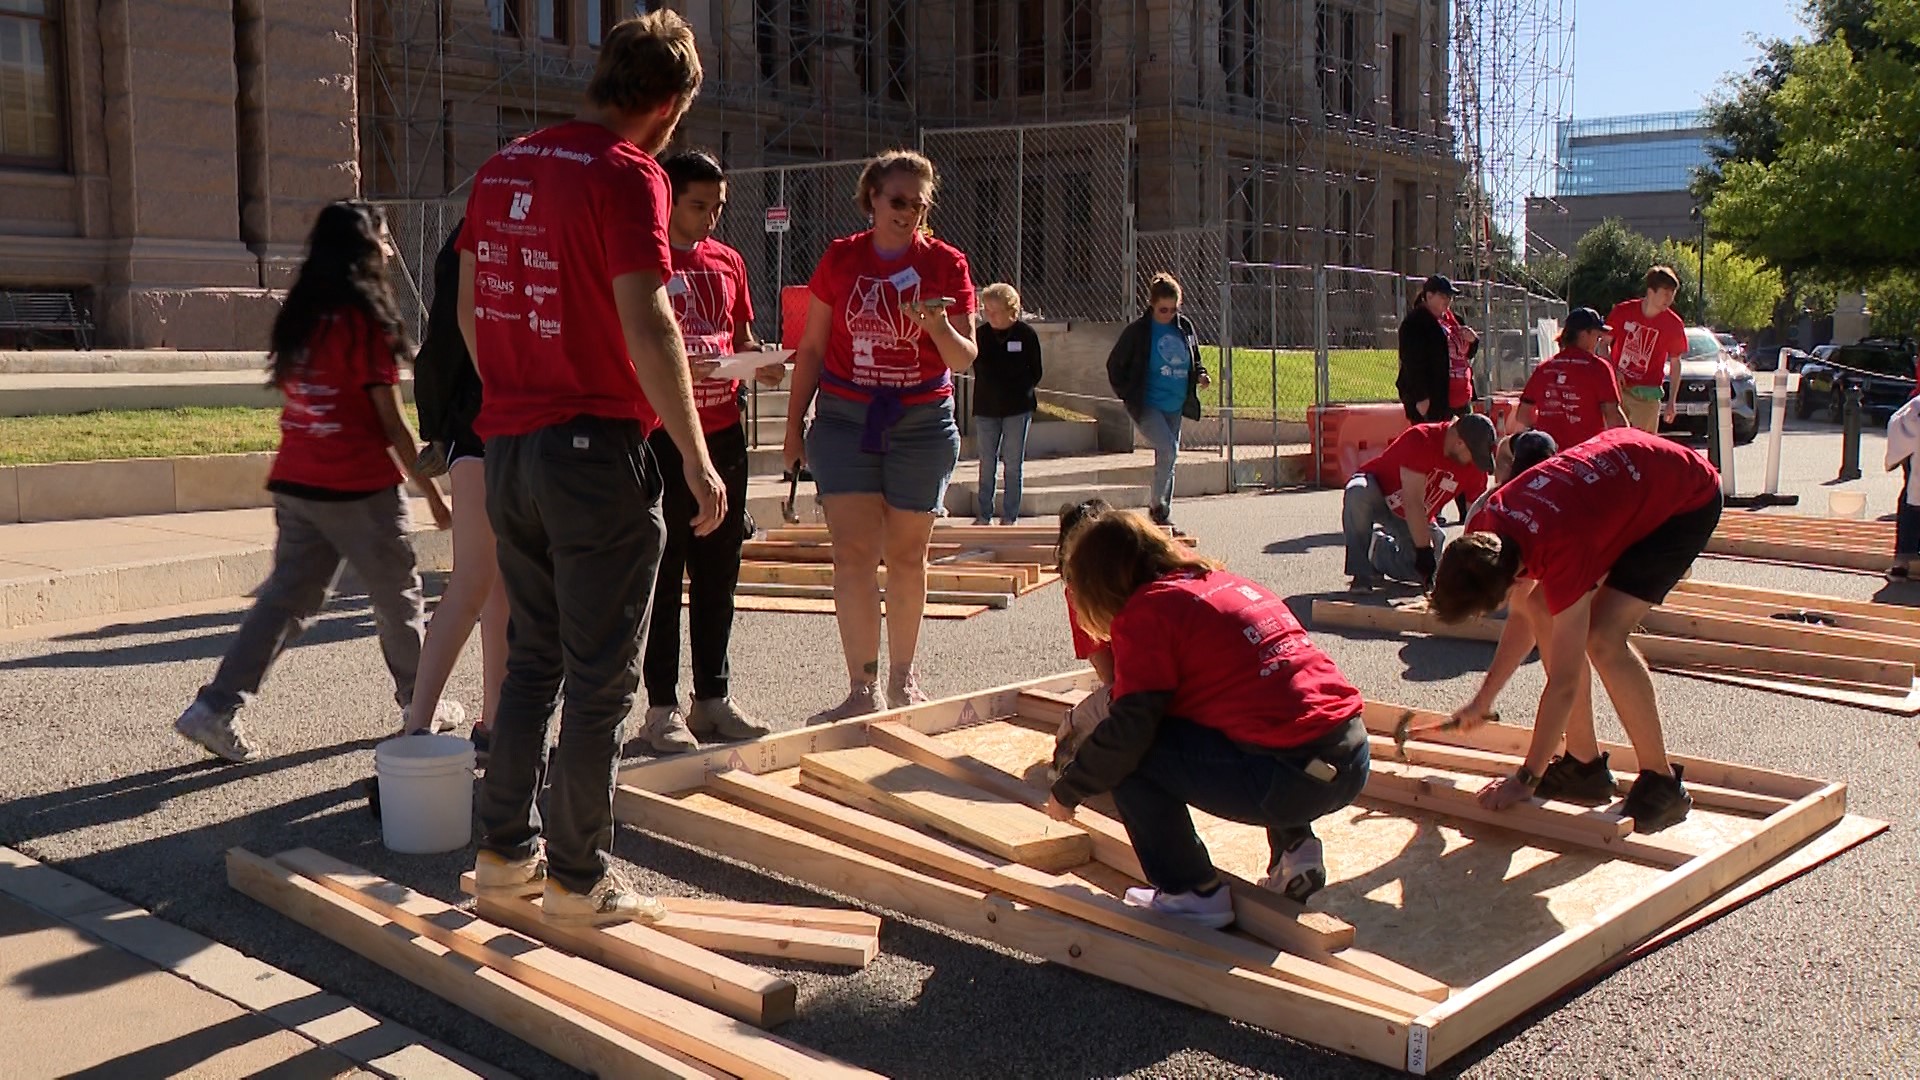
[912, 475]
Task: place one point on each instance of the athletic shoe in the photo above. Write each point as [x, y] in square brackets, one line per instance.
[1215, 911]
[1569, 779]
[720, 716]
[1360, 586]
[447, 715]
[1898, 573]
[1301, 871]
[666, 731]
[904, 690]
[611, 900]
[983, 521]
[862, 700]
[218, 733]
[1162, 515]
[1657, 801]
[494, 874]
[482, 739]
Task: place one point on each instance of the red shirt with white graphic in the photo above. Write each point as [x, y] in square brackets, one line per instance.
[1234, 657]
[1575, 513]
[1422, 448]
[709, 294]
[1567, 392]
[330, 435]
[871, 341]
[553, 219]
[1459, 361]
[1643, 347]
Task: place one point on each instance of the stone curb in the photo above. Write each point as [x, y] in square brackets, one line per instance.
[326, 1020]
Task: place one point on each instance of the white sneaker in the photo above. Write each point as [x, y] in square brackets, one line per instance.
[495, 874]
[218, 733]
[721, 717]
[1301, 873]
[447, 715]
[1214, 911]
[666, 731]
[611, 900]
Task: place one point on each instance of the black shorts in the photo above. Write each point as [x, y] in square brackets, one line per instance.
[1659, 560]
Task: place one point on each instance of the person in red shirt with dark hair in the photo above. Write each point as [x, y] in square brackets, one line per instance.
[1580, 547]
[1425, 466]
[1573, 396]
[563, 272]
[337, 343]
[1220, 701]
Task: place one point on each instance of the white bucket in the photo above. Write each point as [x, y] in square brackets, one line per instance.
[426, 793]
[1847, 504]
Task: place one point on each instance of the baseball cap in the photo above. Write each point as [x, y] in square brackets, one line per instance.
[1441, 283]
[1584, 319]
[1477, 432]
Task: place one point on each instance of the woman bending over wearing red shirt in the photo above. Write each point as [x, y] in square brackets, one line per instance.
[1219, 702]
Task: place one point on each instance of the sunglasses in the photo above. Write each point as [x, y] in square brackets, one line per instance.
[901, 204]
[1165, 310]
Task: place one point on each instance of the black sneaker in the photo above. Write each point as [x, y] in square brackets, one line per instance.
[1657, 801]
[1568, 779]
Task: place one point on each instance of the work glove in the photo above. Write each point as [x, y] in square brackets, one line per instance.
[1424, 563]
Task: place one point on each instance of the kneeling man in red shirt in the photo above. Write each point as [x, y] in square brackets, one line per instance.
[1579, 548]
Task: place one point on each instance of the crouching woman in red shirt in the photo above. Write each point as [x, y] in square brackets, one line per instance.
[1219, 702]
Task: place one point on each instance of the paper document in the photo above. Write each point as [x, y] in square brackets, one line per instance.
[743, 365]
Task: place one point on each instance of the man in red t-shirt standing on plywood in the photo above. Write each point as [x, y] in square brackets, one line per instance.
[1580, 547]
[563, 271]
[1649, 339]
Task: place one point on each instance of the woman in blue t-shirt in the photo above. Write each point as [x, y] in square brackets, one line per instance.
[1155, 370]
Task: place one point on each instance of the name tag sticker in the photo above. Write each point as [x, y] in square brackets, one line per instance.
[1015, 346]
[676, 285]
[905, 279]
[581, 442]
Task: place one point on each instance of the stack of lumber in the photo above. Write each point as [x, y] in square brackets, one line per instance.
[1833, 543]
[975, 568]
[625, 1000]
[1420, 946]
[1852, 652]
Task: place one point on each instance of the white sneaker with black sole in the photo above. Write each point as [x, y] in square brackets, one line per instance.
[220, 734]
[1302, 871]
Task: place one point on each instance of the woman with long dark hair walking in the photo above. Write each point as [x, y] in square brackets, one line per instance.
[337, 347]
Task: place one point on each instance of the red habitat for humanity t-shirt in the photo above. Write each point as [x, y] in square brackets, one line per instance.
[1422, 449]
[1642, 347]
[1567, 392]
[1459, 361]
[552, 220]
[1234, 657]
[709, 294]
[871, 341]
[330, 435]
[1576, 512]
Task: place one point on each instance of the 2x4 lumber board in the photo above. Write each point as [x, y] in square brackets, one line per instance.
[719, 982]
[816, 551]
[800, 605]
[1802, 524]
[1442, 794]
[1011, 830]
[1349, 1027]
[772, 939]
[825, 592]
[1882, 625]
[772, 753]
[1798, 601]
[1521, 985]
[1381, 717]
[1894, 702]
[946, 579]
[1042, 889]
[1273, 919]
[1656, 648]
[1803, 554]
[1777, 633]
[644, 1011]
[844, 920]
[559, 1029]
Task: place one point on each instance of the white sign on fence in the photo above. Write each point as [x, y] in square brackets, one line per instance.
[777, 220]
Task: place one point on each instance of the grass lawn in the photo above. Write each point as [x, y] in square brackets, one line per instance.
[137, 433]
[1355, 375]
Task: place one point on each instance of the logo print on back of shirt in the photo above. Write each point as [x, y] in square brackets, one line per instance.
[883, 337]
[522, 202]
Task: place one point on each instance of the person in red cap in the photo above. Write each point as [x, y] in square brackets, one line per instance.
[1579, 548]
[1573, 396]
[1425, 466]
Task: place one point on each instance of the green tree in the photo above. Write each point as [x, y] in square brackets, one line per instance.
[1610, 265]
[1742, 293]
[1894, 301]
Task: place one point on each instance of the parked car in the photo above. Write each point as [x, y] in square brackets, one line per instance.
[1884, 370]
[1732, 346]
[1698, 368]
[1792, 359]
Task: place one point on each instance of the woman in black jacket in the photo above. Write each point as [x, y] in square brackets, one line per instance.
[1155, 370]
[1004, 378]
[446, 389]
[1436, 356]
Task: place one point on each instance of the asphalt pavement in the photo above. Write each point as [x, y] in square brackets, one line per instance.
[1819, 978]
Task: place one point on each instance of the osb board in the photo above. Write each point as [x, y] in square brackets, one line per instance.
[1418, 890]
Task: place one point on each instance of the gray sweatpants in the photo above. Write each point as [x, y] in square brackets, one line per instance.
[316, 538]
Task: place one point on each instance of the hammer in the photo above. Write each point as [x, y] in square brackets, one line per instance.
[1403, 730]
[788, 511]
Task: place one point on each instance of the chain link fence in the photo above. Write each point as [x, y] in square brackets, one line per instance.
[812, 206]
[419, 227]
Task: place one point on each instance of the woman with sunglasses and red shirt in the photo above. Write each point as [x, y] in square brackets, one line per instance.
[888, 323]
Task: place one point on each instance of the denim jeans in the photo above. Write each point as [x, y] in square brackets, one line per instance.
[576, 510]
[1001, 439]
[1194, 766]
[1162, 432]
